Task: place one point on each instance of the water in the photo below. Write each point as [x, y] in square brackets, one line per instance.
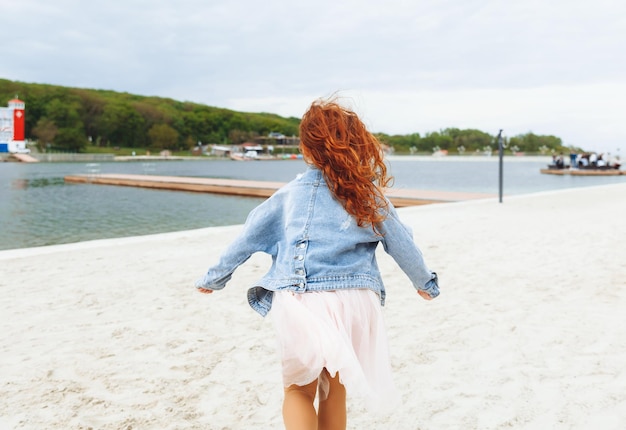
[38, 208]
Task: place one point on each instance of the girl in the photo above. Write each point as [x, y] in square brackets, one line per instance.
[324, 288]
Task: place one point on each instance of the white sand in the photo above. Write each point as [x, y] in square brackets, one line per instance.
[529, 332]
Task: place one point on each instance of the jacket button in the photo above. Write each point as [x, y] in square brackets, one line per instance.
[301, 245]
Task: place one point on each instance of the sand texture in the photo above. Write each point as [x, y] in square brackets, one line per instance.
[528, 333]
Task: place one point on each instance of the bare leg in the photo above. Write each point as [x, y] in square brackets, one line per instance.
[332, 411]
[298, 409]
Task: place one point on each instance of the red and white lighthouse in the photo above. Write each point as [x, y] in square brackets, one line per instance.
[12, 126]
[18, 119]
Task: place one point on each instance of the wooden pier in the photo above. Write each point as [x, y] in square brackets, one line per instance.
[583, 172]
[400, 197]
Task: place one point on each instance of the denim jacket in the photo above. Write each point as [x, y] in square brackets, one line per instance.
[316, 245]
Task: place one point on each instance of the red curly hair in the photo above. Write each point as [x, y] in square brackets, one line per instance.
[336, 141]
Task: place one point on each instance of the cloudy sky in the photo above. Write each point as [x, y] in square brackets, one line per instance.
[547, 66]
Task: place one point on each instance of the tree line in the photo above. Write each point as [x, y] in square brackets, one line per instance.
[70, 119]
[74, 119]
[470, 141]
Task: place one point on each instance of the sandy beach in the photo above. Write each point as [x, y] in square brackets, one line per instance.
[528, 333]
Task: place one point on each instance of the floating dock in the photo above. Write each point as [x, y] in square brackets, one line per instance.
[583, 172]
[400, 197]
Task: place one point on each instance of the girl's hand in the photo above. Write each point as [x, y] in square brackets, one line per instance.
[205, 291]
[424, 295]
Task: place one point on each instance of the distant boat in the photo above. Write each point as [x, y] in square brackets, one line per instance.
[255, 156]
[240, 156]
[249, 155]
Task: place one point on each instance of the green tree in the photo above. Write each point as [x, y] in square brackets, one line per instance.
[45, 132]
[70, 139]
[92, 108]
[435, 140]
[237, 136]
[163, 136]
[64, 113]
[470, 139]
[406, 143]
[121, 125]
[531, 142]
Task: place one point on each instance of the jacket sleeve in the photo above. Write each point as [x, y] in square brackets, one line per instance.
[398, 243]
[258, 235]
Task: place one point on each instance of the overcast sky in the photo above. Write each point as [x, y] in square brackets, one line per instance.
[547, 66]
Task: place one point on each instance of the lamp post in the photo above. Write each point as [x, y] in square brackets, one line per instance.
[500, 155]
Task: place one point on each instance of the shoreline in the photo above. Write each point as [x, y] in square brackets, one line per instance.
[44, 249]
[108, 158]
[6, 254]
[472, 158]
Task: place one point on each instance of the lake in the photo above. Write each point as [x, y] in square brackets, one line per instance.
[38, 208]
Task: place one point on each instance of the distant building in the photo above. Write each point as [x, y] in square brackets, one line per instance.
[220, 150]
[275, 138]
[12, 124]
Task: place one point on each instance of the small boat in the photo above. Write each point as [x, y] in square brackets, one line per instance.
[245, 156]
[239, 156]
[255, 156]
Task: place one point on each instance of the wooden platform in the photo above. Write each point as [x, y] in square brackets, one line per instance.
[399, 197]
[583, 172]
[24, 158]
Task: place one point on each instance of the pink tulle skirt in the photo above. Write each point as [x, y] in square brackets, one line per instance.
[342, 331]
